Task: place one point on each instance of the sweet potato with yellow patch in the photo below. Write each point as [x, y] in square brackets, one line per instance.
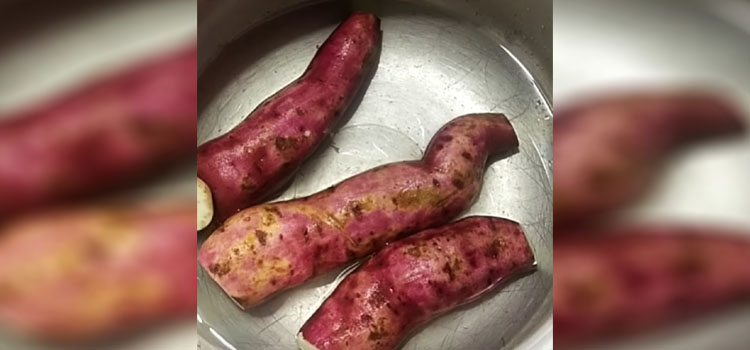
[89, 274]
[271, 247]
[416, 279]
[609, 150]
[260, 155]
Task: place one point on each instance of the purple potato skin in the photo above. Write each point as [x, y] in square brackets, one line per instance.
[102, 136]
[268, 248]
[608, 151]
[414, 280]
[256, 158]
[622, 280]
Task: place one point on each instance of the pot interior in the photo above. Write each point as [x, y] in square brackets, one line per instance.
[438, 61]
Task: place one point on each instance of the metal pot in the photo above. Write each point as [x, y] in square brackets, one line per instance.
[439, 60]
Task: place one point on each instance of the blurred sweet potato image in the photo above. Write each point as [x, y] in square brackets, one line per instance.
[101, 136]
[417, 279]
[89, 274]
[617, 281]
[609, 150]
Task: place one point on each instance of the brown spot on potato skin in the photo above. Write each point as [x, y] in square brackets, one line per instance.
[691, 264]
[377, 331]
[494, 249]
[261, 235]
[220, 269]
[350, 254]
[585, 294]
[356, 209]
[436, 183]
[414, 251]
[268, 218]
[95, 251]
[375, 335]
[285, 143]
[274, 210]
[248, 184]
[449, 270]
[466, 155]
[458, 183]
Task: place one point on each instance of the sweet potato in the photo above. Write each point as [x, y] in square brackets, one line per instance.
[624, 280]
[260, 155]
[105, 135]
[89, 274]
[608, 151]
[271, 247]
[416, 279]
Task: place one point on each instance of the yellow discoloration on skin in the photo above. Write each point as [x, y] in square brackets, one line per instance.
[270, 217]
[356, 209]
[247, 245]
[417, 250]
[101, 299]
[319, 216]
[237, 253]
[378, 330]
[102, 240]
[119, 241]
[270, 227]
[267, 270]
[419, 198]
[452, 267]
[465, 179]
[588, 294]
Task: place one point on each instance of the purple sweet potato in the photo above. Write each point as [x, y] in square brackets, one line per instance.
[271, 247]
[608, 151]
[416, 279]
[260, 155]
[625, 280]
[105, 135]
[89, 274]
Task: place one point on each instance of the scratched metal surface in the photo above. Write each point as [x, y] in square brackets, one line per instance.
[437, 63]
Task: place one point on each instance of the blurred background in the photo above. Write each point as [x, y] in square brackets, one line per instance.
[615, 60]
[94, 260]
[97, 137]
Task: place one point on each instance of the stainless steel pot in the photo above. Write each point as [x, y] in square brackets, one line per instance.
[440, 59]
